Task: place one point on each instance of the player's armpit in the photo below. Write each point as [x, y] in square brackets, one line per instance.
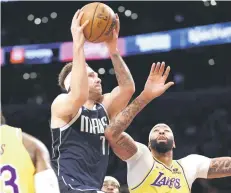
[220, 167]
[124, 147]
[65, 105]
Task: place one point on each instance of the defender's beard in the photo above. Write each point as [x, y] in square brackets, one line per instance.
[161, 147]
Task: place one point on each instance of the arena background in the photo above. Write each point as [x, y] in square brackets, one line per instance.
[198, 107]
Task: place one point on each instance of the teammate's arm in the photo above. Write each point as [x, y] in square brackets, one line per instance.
[119, 96]
[220, 167]
[123, 145]
[66, 104]
[44, 177]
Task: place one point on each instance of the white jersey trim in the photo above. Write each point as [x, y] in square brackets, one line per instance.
[72, 187]
[72, 121]
[189, 187]
[105, 111]
[60, 134]
[60, 141]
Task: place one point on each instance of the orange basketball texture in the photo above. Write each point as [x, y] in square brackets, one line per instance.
[102, 21]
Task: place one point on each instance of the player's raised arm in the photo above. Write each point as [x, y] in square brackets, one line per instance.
[123, 145]
[220, 167]
[120, 96]
[44, 177]
[76, 82]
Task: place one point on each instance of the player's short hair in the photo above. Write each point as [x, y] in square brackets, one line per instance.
[110, 178]
[63, 74]
[3, 120]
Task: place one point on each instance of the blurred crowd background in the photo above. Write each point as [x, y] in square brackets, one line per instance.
[198, 107]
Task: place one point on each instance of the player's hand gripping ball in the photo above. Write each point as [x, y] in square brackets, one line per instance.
[102, 21]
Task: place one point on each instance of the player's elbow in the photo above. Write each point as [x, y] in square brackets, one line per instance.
[111, 135]
[129, 89]
[108, 135]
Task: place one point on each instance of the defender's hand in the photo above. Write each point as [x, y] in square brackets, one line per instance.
[112, 44]
[155, 84]
[77, 30]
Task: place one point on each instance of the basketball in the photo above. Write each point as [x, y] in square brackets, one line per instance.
[102, 21]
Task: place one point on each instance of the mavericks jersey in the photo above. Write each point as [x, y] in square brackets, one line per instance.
[80, 150]
[16, 167]
[148, 175]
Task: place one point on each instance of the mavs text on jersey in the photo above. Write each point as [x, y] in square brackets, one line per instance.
[80, 150]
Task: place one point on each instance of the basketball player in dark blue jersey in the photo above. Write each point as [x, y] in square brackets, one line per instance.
[79, 116]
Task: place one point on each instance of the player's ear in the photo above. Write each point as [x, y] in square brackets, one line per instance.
[149, 145]
[174, 144]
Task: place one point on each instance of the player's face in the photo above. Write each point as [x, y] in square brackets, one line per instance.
[95, 87]
[110, 187]
[162, 139]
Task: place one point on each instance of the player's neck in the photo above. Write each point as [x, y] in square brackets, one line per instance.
[165, 158]
[89, 104]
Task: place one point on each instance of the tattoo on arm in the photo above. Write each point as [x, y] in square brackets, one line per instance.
[122, 72]
[220, 167]
[127, 145]
[123, 119]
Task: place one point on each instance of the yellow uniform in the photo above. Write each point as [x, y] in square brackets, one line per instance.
[148, 175]
[16, 167]
[162, 179]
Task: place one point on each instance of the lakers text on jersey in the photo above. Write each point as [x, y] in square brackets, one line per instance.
[80, 150]
[16, 167]
[162, 179]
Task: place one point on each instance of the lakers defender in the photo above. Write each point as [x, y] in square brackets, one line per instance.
[155, 171]
[24, 163]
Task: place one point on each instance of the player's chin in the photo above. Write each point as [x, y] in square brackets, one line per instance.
[98, 95]
[99, 90]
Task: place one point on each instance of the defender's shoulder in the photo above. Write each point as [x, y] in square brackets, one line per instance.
[193, 160]
[10, 129]
[188, 158]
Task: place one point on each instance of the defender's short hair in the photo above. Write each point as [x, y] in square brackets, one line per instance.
[63, 74]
